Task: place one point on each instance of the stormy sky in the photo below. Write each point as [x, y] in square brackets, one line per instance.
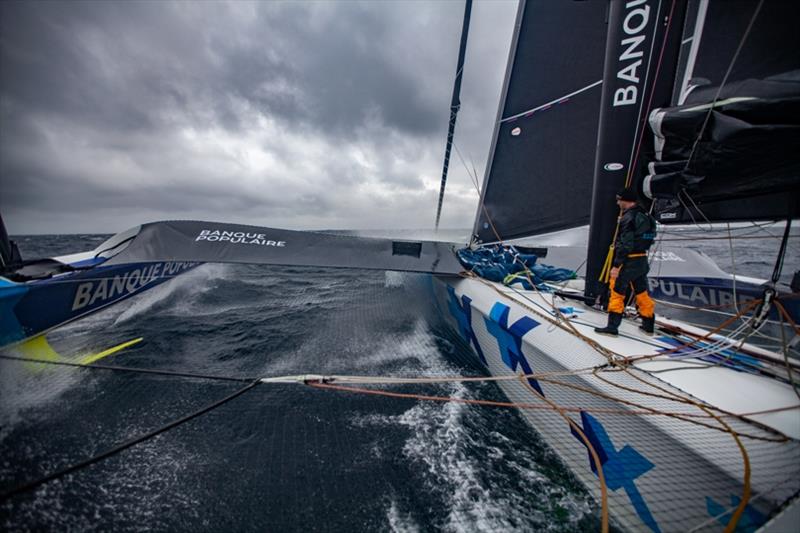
[303, 115]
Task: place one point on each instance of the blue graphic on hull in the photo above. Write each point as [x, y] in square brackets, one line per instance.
[10, 328]
[749, 522]
[509, 339]
[620, 468]
[462, 312]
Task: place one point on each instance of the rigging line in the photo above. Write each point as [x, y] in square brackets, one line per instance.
[116, 368]
[724, 81]
[517, 405]
[25, 487]
[713, 348]
[688, 400]
[544, 376]
[745, 351]
[348, 384]
[733, 268]
[697, 207]
[729, 360]
[731, 526]
[710, 227]
[473, 175]
[706, 336]
[474, 178]
[788, 364]
[736, 238]
[592, 452]
[641, 123]
[787, 316]
[704, 236]
[759, 496]
[776, 273]
[716, 347]
[551, 102]
[681, 416]
[543, 312]
[745, 499]
[691, 60]
[750, 225]
[712, 310]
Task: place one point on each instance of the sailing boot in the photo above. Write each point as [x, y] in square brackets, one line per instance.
[646, 308]
[614, 320]
[648, 324]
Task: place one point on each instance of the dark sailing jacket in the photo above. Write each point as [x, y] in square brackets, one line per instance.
[637, 229]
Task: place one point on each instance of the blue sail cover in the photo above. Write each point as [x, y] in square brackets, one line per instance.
[506, 265]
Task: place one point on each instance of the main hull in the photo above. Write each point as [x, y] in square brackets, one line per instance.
[666, 463]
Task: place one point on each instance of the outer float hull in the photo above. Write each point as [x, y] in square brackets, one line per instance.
[32, 308]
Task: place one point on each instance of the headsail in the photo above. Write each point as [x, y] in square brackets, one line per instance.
[538, 178]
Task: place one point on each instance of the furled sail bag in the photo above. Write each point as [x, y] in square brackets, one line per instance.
[747, 148]
[506, 265]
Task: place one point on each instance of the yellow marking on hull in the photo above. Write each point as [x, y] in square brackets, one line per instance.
[105, 353]
[38, 349]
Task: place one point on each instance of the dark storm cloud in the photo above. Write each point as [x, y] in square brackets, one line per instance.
[299, 112]
[122, 64]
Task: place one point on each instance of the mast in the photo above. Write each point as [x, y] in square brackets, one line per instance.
[640, 63]
[455, 105]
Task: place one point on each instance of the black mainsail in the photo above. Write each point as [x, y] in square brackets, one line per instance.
[538, 178]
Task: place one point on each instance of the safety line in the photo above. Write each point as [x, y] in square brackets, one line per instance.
[25, 487]
[127, 369]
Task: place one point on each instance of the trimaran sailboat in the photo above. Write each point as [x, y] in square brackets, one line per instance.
[684, 430]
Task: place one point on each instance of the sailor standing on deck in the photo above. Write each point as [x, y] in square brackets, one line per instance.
[637, 230]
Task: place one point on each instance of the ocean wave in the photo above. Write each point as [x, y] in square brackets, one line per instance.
[180, 292]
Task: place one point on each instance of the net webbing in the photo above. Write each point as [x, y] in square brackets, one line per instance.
[289, 444]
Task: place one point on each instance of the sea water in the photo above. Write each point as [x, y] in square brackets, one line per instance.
[281, 457]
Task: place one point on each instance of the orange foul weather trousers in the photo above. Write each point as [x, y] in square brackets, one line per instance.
[632, 274]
